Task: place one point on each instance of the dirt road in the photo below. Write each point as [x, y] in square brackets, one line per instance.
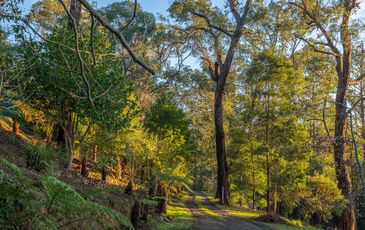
[211, 217]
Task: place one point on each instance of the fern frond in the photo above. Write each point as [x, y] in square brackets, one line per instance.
[149, 202]
[100, 211]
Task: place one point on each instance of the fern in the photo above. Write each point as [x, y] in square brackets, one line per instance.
[1, 176]
[61, 196]
[63, 200]
[149, 202]
[56, 206]
[21, 179]
[101, 211]
[16, 191]
[39, 157]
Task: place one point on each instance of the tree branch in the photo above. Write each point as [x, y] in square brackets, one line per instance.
[315, 47]
[119, 35]
[358, 80]
[210, 24]
[77, 48]
[319, 25]
[132, 18]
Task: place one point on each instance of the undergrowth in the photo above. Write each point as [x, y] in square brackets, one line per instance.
[49, 204]
[40, 157]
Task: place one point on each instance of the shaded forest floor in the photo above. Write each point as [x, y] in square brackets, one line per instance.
[198, 211]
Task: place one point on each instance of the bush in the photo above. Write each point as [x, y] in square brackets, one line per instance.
[40, 156]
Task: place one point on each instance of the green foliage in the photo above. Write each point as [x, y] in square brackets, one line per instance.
[56, 204]
[101, 93]
[165, 116]
[17, 197]
[40, 156]
[143, 26]
[149, 202]
[67, 204]
[273, 131]
[322, 197]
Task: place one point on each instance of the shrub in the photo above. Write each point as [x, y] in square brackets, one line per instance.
[40, 156]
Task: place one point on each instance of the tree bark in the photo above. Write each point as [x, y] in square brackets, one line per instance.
[69, 137]
[129, 188]
[267, 184]
[136, 214]
[118, 168]
[95, 153]
[104, 174]
[75, 11]
[161, 207]
[84, 172]
[253, 179]
[223, 189]
[343, 69]
[348, 217]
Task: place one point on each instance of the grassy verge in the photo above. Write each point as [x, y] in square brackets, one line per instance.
[183, 218]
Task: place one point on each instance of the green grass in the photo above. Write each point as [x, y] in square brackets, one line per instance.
[198, 202]
[249, 213]
[183, 217]
[287, 227]
[236, 211]
[246, 213]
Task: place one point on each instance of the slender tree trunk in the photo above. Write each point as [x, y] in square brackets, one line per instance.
[95, 153]
[253, 178]
[348, 217]
[342, 173]
[362, 116]
[124, 162]
[75, 11]
[69, 137]
[16, 127]
[118, 168]
[254, 197]
[136, 214]
[275, 200]
[104, 174]
[267, 184]
[84, 172]
[161, 207]
[267, 127]
[222, 192]
[58, 134]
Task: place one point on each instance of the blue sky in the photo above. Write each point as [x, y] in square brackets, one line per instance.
[154, 6]
[160, 6]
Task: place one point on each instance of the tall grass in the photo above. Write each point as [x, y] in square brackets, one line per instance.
[40, 157]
